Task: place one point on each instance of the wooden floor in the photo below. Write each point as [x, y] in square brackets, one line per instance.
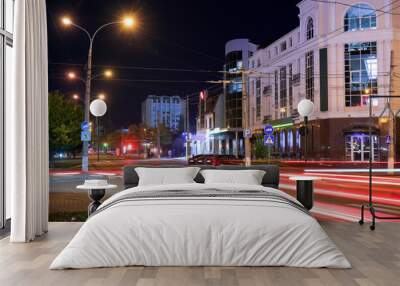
[375, 257]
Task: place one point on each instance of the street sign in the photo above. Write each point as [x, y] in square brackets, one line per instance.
[86, 136]
[269, 140]
[247, 133]
[85, 126]
[268, 129]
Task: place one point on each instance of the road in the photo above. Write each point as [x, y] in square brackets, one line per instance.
[338, 196]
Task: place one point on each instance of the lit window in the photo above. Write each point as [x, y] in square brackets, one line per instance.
[290, 140]
[298, 139]
[360, 17]
[310, 75]
[310, 29]
[283, 93]
[282, 141]
[361, 73]
[258, 99]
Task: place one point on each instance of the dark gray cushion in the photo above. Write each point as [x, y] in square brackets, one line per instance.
[270, 179]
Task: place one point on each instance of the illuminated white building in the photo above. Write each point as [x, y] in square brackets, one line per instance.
[338, 55]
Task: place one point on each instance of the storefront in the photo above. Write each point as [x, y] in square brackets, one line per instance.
[341, 139]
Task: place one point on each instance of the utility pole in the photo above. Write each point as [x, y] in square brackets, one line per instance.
[187, 121]
[391, 123]
[158, 136]
[245, 106]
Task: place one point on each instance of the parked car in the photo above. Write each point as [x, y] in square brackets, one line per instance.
[196, 160]
[215, 160]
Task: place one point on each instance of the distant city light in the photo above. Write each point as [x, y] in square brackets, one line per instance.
[202, 95]
[75, 96]
[102, 96]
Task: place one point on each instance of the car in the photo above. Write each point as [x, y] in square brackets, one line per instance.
[215, 160]
[196, 160]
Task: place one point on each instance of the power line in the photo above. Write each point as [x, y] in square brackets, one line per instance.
[142, 68]
[357, 5]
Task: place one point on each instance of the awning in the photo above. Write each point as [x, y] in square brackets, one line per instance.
[280, 123]
[360, 128]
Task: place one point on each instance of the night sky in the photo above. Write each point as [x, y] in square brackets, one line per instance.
[171, 34]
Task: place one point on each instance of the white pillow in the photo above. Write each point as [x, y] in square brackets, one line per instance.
[166, 176]
[247, 177]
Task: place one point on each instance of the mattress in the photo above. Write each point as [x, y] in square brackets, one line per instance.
[201, 225]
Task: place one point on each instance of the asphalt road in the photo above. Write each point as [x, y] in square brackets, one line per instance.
[338, 196]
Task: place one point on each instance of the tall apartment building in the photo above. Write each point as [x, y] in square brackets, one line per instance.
[226, 137]
[167, 110]
[336, 57]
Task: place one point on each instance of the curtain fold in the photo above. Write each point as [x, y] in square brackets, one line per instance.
[27, 124]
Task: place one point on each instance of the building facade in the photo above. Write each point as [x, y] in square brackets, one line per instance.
[169, 111]
[225, 137]
[337, 57]
[210, 122]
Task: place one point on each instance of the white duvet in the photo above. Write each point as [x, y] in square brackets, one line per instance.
[200, 232]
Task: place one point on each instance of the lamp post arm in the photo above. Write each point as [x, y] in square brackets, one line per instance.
[102, 27]
[83, 30]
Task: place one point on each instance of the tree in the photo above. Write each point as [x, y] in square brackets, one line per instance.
[65, 118]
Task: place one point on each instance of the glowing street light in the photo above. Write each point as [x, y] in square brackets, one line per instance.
[75, 97]
[66, 21]
[108, 73]
[305, 108]
[101, 96]
[128, 22]
[71, 75]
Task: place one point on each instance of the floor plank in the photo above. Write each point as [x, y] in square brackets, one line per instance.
[375, 257]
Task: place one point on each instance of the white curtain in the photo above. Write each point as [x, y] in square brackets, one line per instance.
[27, 124]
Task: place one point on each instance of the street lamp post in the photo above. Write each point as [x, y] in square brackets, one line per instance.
[305, 108]
[128, 22]
[98, 108]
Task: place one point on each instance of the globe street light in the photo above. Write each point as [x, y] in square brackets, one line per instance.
[305, 108]
[128, 22]
[98, 108]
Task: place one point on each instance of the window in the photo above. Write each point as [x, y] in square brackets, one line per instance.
[361, 73]
[283, 93]
[276, 50]
[258, 99]
[258, 62]
[290, 140]
[310, 75]
[282, 141]
[310, 29]
[360, 17]
[283, 46]
[269, 54]
[298, 139]
[290, 42]
[6, 44]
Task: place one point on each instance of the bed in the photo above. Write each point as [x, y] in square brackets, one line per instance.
[197, 224]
